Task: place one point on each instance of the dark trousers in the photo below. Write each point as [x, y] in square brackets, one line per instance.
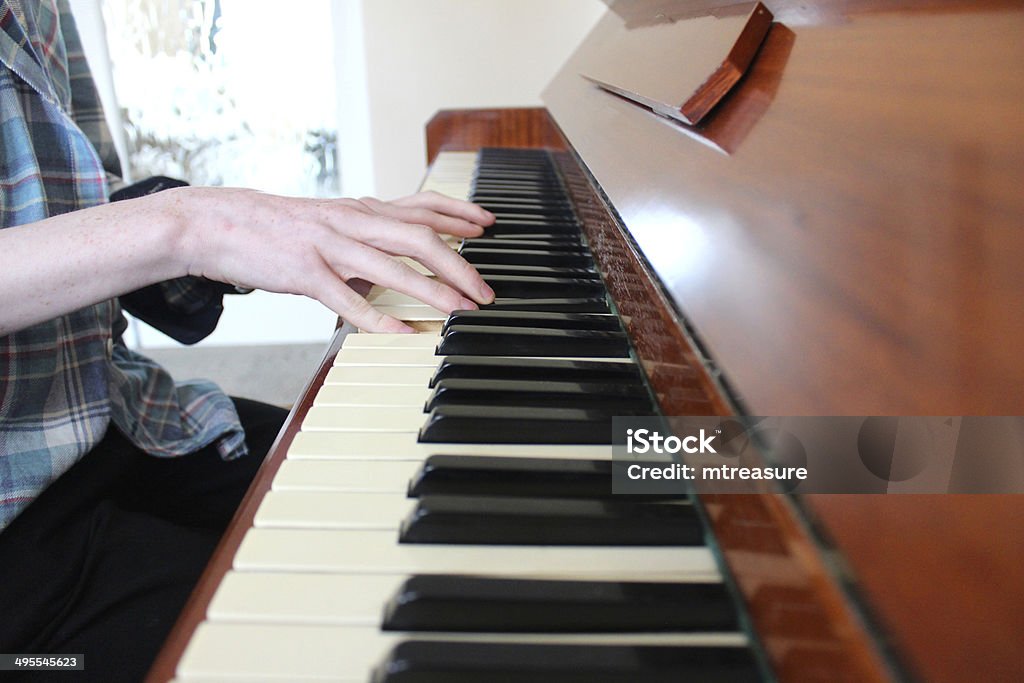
[103, 560]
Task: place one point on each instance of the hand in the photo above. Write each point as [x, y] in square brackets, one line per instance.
[315, 246]
[441, 213]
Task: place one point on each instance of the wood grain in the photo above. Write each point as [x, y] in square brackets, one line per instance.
[857, 253]
[945, 574]
[462, 130]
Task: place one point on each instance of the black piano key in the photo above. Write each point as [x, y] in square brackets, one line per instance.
[501, 476]
[544, 271]
[537, 187]
[540, 287]
[503, 520]
[520, 224]
[504, 214]
[526, 257]
[547, 238]
[560, 321]
[481, 340]
[629, 398]
[490, 424]
[482, 367]
[503, 199]
[593, 304]
[524, 194]
[509, 208]
[433, 661]
[490, 605]
[527, 244]
[537, 173]
[519, 228]
[483, 475]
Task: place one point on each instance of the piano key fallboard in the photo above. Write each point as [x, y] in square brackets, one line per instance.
[440, 513]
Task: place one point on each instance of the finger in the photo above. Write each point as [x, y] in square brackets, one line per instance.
[423, 245]
[438, 222]
[370, 264]
[329, 290]
[450, 206]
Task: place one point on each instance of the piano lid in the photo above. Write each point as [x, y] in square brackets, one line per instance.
[681, 79]
[858, 252]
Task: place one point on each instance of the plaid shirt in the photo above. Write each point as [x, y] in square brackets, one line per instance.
[64, 381]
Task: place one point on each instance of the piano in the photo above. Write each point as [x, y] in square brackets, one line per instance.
[841, 235]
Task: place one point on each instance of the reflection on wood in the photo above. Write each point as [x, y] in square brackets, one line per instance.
[680, 70]
[640, 13]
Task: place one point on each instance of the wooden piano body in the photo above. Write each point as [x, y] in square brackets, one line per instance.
[841, 236]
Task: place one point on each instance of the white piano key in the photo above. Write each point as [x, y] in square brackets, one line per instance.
[365, 340]
[364, 419]
[370, 395]
[271, 652]
[390, 297]
[414, 357]
[303, 598]
[297, 598]
[424, 357]
[378, 552]
[283, 653]
[390, 476]
[412, 314]
[362, 444]
[408, 376]
[357, 510]
[332, 510]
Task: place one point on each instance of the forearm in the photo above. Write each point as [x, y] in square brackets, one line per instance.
[61, 264]
[312, 247]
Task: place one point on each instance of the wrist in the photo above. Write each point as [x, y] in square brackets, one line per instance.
[175, 227]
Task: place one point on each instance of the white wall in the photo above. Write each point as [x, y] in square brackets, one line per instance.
[420, 56]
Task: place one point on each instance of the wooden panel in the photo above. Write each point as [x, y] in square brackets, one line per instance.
[195, 609]
[857, 253]
[463, 130]
[946, 574]
[806, 624]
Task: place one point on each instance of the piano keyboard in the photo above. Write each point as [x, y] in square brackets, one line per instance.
[444, 512]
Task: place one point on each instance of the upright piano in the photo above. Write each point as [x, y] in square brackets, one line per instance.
[842, 234]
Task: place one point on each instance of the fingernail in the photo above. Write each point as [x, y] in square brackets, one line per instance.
[486, 293]
[467, 305]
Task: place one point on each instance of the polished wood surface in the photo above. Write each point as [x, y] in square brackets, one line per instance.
[945, 575]
[195, 609]
[854, 251]
[516, 127]
[675, 369]
[858, 252]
